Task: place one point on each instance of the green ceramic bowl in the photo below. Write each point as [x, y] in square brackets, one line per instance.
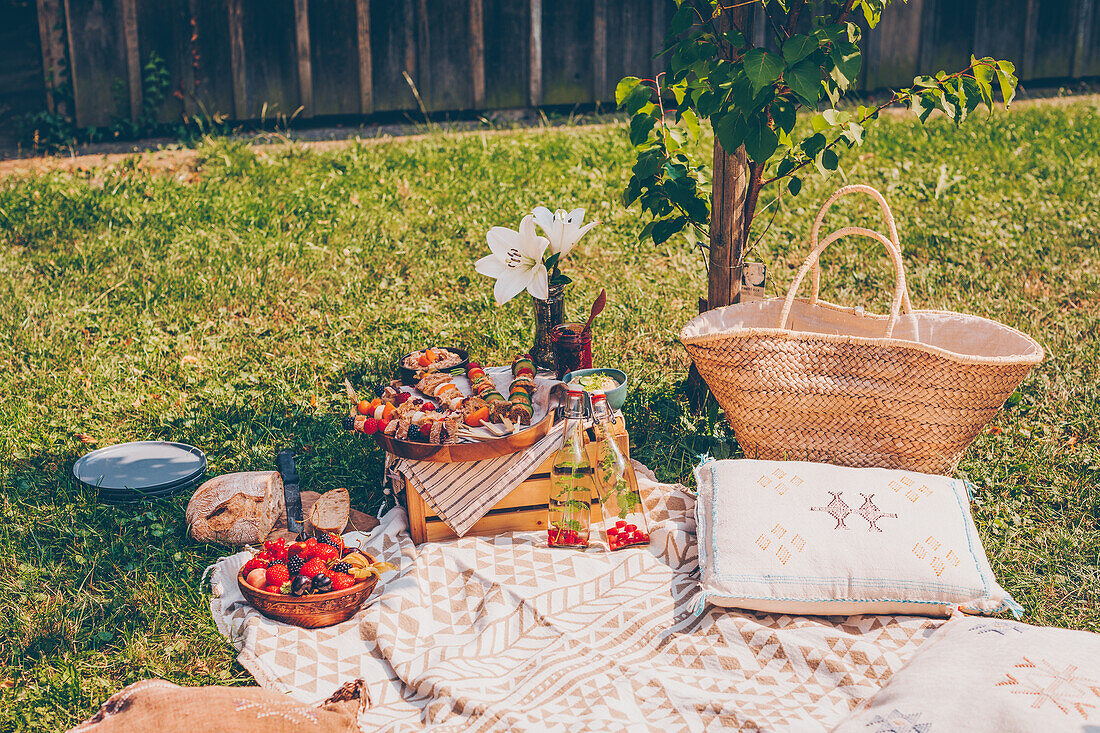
[615, 397]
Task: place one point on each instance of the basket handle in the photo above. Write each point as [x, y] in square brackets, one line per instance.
[900, 290]
[891, 228]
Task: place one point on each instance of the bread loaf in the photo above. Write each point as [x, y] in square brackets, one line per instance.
[330, 512]
[236, 508]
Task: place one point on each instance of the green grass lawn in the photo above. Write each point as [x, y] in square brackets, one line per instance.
[225, 312]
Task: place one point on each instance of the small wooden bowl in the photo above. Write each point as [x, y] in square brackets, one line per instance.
[312, 611]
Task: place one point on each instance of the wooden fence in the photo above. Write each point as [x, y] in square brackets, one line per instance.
[249, 59]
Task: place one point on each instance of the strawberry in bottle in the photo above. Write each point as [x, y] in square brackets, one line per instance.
[624, 516]
[570, 507]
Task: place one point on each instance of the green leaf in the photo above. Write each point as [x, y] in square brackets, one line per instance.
[1006, 78]
[640, 127]
[682, 20]
[691, 122]
[847, 60]
[664, 229]
[783, 114]
[632, 192]
[983, 77]
[794, 185]
[785, 166]
[853, 134]
[805, 81]
[731, 130]
[761, 142]
[762, 68]
[814, 144]
[625, 86]
[797, 48]
[826, 162]
[639, 97]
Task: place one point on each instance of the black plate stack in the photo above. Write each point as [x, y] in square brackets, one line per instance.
[145, 469]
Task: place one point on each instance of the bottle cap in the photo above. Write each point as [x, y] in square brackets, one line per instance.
[576, 393]
[599, 397]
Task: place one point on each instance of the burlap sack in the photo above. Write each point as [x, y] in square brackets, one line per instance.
[158, 705]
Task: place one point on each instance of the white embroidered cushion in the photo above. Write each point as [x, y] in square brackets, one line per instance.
[990, 675]
[811, 538]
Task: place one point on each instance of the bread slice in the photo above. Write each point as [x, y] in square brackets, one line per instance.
[236, 508]
[330, 512]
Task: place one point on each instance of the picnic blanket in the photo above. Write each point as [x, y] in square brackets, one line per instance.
[502, 633]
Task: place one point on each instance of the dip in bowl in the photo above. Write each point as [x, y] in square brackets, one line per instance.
[599, 381]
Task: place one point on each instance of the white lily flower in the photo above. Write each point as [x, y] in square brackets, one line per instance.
[562, 228]
[516, 261]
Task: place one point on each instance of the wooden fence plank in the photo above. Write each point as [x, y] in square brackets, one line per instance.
[305, 63]
[599, 50]
[237, 57]
[567, 52]
[165, 29]
[269, 52]
[49, 17]
[951, 38]
[507, 37]
[210, 46]
[534, 95]
[1055, 40]
[366, 82]
[98, 60]
[133, 59]
[336, 74]
[1087, 61]
[893, 57]
[393, 51]
[629, 44]
[477, 54]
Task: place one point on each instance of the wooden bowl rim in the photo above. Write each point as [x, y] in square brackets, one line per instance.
[246, 588]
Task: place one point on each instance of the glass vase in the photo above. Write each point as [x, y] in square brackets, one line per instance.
[548, 314]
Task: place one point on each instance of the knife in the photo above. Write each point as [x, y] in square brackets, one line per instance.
[285, 463]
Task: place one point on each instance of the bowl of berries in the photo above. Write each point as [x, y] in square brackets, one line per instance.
[312, 582]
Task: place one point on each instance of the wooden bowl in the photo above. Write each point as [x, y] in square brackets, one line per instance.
[475, 451]
[313, 611]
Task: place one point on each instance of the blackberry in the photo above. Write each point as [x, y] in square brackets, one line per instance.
[325, 539]
[379, 389]
[294, 564]
[414, 432]
[341, 567]
[349, 422]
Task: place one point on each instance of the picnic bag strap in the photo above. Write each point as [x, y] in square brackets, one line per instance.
[900, 291]
[891, 228]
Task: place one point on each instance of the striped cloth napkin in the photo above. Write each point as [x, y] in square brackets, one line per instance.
[462, 493]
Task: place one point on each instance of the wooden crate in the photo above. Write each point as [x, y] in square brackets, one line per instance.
[524, 509]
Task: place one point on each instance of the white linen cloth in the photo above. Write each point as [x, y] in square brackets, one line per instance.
[503, 633]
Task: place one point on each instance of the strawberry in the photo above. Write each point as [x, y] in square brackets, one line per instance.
[313, 567]
[273, 589]
[324, 553]
[370, 426]
[277, 574]
[296, 549]
[311, 548]
[341, 581]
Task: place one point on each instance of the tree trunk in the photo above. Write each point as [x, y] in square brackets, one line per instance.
[730, 175]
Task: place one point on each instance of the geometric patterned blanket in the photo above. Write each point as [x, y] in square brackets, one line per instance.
[502, 633]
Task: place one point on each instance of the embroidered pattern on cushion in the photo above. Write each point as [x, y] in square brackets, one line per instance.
[928, 549]
[872, 513]
[784, 551]
[1065, 689]
[837, 508]
[783, 483]
[898, 722]
[265, 710]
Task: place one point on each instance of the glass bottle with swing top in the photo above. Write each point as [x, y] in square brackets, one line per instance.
[570, 507]
[624, 517]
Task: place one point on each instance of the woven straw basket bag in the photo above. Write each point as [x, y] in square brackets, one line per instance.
[808, 380]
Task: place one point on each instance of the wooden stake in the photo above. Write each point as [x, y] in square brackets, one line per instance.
[133, 57]
[477, 54]
[237, 60]
[366, 78]
[534, 53]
